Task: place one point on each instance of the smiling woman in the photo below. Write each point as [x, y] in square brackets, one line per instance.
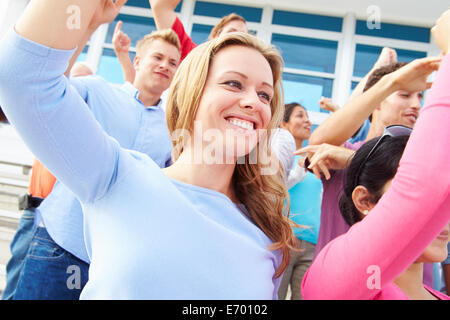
[238, 80]
[227, 216]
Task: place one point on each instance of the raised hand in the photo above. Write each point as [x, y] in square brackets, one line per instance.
[387, 57]
[441, 32]
[120, 40]
[328, 104]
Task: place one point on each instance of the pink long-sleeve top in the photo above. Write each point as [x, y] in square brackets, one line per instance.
[408, 217]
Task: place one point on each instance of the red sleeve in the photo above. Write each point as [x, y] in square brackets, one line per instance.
[185, 40]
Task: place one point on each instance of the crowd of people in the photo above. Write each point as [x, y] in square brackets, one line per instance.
[213, 193]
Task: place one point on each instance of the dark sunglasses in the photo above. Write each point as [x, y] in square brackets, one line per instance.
[389, 131]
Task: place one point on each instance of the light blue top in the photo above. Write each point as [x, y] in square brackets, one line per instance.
[361, 135]
[306, 200]
[134, 126]
[147, 236]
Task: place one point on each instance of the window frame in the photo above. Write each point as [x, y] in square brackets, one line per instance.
[347, 41]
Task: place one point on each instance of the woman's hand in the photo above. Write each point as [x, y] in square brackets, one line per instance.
[325, 157]
[441, 32]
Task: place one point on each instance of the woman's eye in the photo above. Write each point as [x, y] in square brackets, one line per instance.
[234, 83]
[265, 96]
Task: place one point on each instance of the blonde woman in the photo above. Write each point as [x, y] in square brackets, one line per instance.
[195, 230]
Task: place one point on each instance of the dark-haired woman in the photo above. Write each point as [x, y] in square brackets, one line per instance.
[401, 221]
[305, 192]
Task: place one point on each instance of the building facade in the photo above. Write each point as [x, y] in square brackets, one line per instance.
[327, 46]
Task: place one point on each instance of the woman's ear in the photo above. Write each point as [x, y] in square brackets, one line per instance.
[363, 200]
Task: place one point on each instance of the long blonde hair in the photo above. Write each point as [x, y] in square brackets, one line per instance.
[264, 196]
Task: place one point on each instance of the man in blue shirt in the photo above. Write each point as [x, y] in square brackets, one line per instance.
[56, 264]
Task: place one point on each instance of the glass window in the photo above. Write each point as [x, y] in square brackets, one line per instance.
[83, 54]
[307, 53]
[304, 20]
[200, 33]
[366, 56]
[135, 27]
[138, 3]
[146, 4]
[394, 31]
[109, 67]
[219, 10]
[306, 90]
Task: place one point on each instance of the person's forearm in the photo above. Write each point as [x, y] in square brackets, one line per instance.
[128, 70]
[59, 24]
[164, 12]
[342, 124]
[80, 47]
[51, 117]
[360, 86]
[296, 175]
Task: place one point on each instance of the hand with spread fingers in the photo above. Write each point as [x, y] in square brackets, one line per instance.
[325, 157]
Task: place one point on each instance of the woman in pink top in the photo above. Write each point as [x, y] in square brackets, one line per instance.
[399, 223]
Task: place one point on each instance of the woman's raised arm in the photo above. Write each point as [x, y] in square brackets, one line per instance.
[53, 120]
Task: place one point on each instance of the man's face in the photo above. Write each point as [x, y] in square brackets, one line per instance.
[234, 26]
[157, 65]
[400, 108]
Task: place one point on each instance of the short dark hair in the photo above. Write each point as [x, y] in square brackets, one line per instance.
[375, 173]
[288, 108]
[379, 73]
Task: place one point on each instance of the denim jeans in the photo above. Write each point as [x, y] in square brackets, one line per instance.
[19, 248]
[49, 272]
